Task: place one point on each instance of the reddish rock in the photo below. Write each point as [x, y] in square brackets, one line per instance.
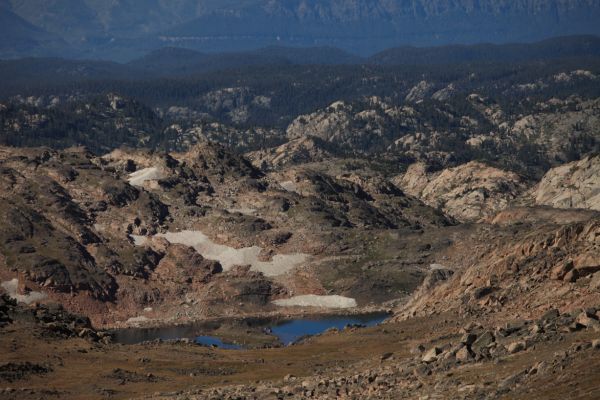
[560, 271]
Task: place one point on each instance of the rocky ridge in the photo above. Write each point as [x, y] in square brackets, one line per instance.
[572, 185]
[74, 219]
[469, 192]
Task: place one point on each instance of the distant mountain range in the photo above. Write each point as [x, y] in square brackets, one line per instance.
[569, 46]
[174, 62]
[126, 29]
[178, 61]
[18, 37]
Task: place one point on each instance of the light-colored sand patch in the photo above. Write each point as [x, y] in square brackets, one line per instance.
[11, 289]
[312, 300]
[230, 256]
[147, 174]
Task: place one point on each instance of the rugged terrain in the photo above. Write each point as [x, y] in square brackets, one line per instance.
[112, 233]
[523, 117]
[501, 306]
[463, 201]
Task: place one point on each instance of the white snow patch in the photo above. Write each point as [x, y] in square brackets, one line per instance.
[147, 174]
[312, 300]
[434, 267]
[99, 227]
[289, 186]
[11, 289]
[139, 240]
[137, 320]
[230, 256]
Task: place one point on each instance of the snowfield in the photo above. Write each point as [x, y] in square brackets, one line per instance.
[11, 289]
[311, 300]
[289, 186]
[137, 321]
[230, 256]
[147, 174]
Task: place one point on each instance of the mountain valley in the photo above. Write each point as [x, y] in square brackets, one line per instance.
[222, 196]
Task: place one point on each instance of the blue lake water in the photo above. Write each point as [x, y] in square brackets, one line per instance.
[287, 331]
[290, 331]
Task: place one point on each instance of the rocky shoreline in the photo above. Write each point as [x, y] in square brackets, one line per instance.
[407, 377]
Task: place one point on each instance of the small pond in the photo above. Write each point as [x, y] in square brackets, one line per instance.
[286, 331]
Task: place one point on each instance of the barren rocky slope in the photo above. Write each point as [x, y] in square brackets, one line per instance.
[511, 313]
[522, 118]
[467, 211]
[573, 185]
[504, 306]
[446, 126]
[469, 192]
[122, 233]
[297, 151]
